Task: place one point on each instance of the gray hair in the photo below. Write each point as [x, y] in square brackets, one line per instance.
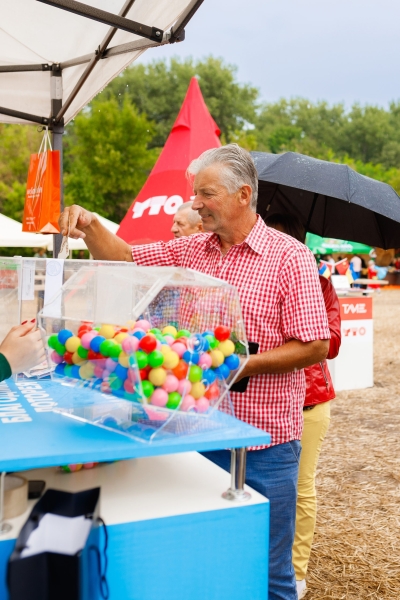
[238, 168]
[192, 215]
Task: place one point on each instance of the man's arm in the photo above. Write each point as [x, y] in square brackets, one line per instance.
[77, 222]
[292, 356]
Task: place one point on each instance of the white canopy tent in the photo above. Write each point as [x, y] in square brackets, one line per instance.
[56, 55]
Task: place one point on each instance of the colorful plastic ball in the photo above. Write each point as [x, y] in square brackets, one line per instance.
[59, 370]
[217, 358]
[148, 388]
[63, 335]
[165, 349]
[170, 330]
[106, 347]
[56, 358]
[107, 331]
[141, 359]
[128, 386]
[106, 375]
[68, 358]
[182, 340]
[88, 370]
[209, 376]
[227, 347]
[222, 333]
[183, 333]
[115, 350]
[232, 362]
[93, 355]
[123, 359]
[96, 342]
[198, 390]
[213, 392]
[120, 337]
[90, 465]
[138, 333]
[191, 357]
[181, 369]
[196, 342]
[171, 384]
[121, 372]
[143, 324]
[82, 352]
[159, 397]
[171, 360]
[179, 348]
[130, 344]
[222, 372]
[195, 374]
[205, 361]
[71, 468]
[143, 374]
[78, 360]
[52, 341]
[68, 370]
[148, 343]
[174, 400]
[72, 344]
[110, 365]
[155, 331]
[188, 402]
[59, 348]
[202, 405]
[184, 387]
[157, 376]
[115, 382]
[206, 344]
[84, 329]
[156, 359]
[98, 372]
[87, 338]
[212, 341]
[75, 372]
[168, 339]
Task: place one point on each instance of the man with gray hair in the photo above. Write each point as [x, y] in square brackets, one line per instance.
[283, 311]
[186, 221]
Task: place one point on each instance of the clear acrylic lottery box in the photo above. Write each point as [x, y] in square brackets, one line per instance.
[145, 351]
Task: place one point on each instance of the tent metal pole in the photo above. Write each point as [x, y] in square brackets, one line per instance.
[24, 116]
[178, 29]
[24, 68]
[57, 135]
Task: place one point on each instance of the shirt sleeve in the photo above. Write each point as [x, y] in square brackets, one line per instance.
[161, 254]
[304, 315]
[5, 369]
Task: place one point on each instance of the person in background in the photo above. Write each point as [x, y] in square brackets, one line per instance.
[186, 221]
[21, 349]
[357, 266]
[316, 411]
[81, 255]
[41, 253]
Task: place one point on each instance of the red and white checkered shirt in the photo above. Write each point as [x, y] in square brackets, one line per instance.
[281, 299]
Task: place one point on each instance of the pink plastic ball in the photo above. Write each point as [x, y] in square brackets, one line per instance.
[130, 344]
[171, 384]
[87, 338]
[90, 465]
[56, 358]
[110, 365]
[158, 346]
[179, 348]
[184, 387]
[106, 374]
[205, 361]
[202, 405]
[187, 403]
[159, 397]
[128, 386]
[169, 339]
[143, 324]
[98, 372]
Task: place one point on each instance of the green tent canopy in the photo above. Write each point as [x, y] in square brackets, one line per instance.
[319, 245]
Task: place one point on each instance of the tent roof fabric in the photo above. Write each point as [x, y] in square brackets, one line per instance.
[33, 33]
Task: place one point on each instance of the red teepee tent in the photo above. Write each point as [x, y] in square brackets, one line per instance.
[149, 219]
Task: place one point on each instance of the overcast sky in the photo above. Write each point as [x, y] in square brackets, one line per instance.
[335, 50]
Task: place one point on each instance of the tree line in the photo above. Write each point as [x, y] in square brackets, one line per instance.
[112, 145]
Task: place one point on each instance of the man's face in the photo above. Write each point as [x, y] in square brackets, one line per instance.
[216, 207]
[181, 225]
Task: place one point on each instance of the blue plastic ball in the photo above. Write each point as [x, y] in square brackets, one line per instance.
[206, 345]
[75, 372]
[121, 372]
[232, 362]
[206, 333]
[139, 334]
[209, 376]
[59, 370]
[191, 357]
[95, 343]
[222, 372]
[63, 336]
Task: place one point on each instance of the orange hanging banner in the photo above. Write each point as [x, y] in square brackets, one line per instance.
[42, 199]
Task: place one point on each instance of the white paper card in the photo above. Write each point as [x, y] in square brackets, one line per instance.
[53, 283]
[63, 535]
[28, 279]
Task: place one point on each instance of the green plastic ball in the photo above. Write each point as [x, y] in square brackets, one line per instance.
[141, 359]
[156, 359]
[106, 346]
[68, 370]
[53, 340]
[212, 341]
[183, 333]
[82, 352]
[195, 374]
[115, 382]
[174, 399]
[59, 348]
[115, 350]
[148, 388]
[155, 330]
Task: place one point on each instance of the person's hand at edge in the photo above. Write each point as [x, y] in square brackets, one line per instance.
[74, 220]
[23, 347]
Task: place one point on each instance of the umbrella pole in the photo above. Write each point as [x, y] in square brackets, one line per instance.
[311, 211]
[57, 133]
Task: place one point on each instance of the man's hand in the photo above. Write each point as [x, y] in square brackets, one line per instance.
[74, 220]
[23, 347]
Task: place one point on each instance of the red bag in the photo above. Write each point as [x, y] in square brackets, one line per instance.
[42, 199]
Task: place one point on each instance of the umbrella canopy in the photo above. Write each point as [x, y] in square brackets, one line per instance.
[331, 199]
[319, 245]
[149, 219]
[66, 50]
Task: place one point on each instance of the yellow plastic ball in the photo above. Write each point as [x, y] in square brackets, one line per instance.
[86, 371]
[120, 337]
[78, 360]
[72, 344]
[217, 358]
[107, 331]
[171, 360]
[198, 390]
[165, 349]
[170, 330]
[227, 347]
[123, 359]
[157, 376]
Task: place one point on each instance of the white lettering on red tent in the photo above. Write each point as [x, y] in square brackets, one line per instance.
[154, 205]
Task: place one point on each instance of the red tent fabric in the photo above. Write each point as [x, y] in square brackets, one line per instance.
[149, 219]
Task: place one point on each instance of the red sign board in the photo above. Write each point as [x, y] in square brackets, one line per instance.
[352, 309]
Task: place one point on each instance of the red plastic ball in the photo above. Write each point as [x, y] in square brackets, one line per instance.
[222, 333]
[84, 329]
[213, 392]
[143, 373]
[92, 355]
[148, 343]
[68, 358]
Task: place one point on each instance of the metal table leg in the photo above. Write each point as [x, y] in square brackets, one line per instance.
[4, 527]
[236, 492]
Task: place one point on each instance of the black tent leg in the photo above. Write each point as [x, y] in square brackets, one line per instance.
[57, 133]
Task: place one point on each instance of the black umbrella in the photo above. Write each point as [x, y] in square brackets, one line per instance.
[331, 199]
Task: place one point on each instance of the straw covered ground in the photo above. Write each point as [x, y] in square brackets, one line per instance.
[356, 551]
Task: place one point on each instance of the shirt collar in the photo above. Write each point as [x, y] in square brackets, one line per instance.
[256, 240]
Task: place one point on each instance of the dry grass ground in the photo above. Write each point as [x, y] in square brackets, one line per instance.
[356, 551]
